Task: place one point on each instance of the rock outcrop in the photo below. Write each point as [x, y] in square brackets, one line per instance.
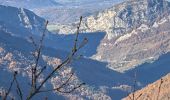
[124, 17]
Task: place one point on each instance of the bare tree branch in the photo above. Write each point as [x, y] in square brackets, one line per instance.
[72, 89]
[33, 42]
[66, 82]
[35, 73]
[65, 62]
[18, 88]
[130, 97]
[61, 86]
[34, 69]
[77, 34]
[159, 89]
[58, 89]
[10, 87]
[41, 71]
[139, 96]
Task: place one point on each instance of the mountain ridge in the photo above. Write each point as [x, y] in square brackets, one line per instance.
[124, 16]
[24, 22]
[128, 47]
[16, 55]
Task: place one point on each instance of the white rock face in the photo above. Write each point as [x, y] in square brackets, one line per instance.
[125, 37]
[123, 18]
[130, 27]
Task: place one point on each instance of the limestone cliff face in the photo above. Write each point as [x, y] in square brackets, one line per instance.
[127, 16]
[123, 17]
[136, 31]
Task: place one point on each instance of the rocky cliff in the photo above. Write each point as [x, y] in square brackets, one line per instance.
[125, 16]
[137, 31]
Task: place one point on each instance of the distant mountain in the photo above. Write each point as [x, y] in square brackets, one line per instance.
[126, 16]
[136, 31]
[16, 50]
[20, 22]
[123, 38]
[61, 11]
[29, 3]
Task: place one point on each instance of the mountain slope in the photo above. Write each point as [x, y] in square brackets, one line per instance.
[122, 49]
[123, 17]
[20, 22]
[137, 31]
[158, 90]
[128, 15]
[15, 55]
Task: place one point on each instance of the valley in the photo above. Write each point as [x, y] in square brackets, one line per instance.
[125, 38]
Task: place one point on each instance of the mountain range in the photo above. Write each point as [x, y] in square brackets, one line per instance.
[15, 55]
[62, 11]
[130, 28]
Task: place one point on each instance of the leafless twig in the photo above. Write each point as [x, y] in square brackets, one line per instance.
[65, 62]
[159, 89]
[139, 96]
[10, 87]
[18, 88]
[134, 86]
[35, 73]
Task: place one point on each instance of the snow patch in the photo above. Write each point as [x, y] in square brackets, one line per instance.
[24, 18]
